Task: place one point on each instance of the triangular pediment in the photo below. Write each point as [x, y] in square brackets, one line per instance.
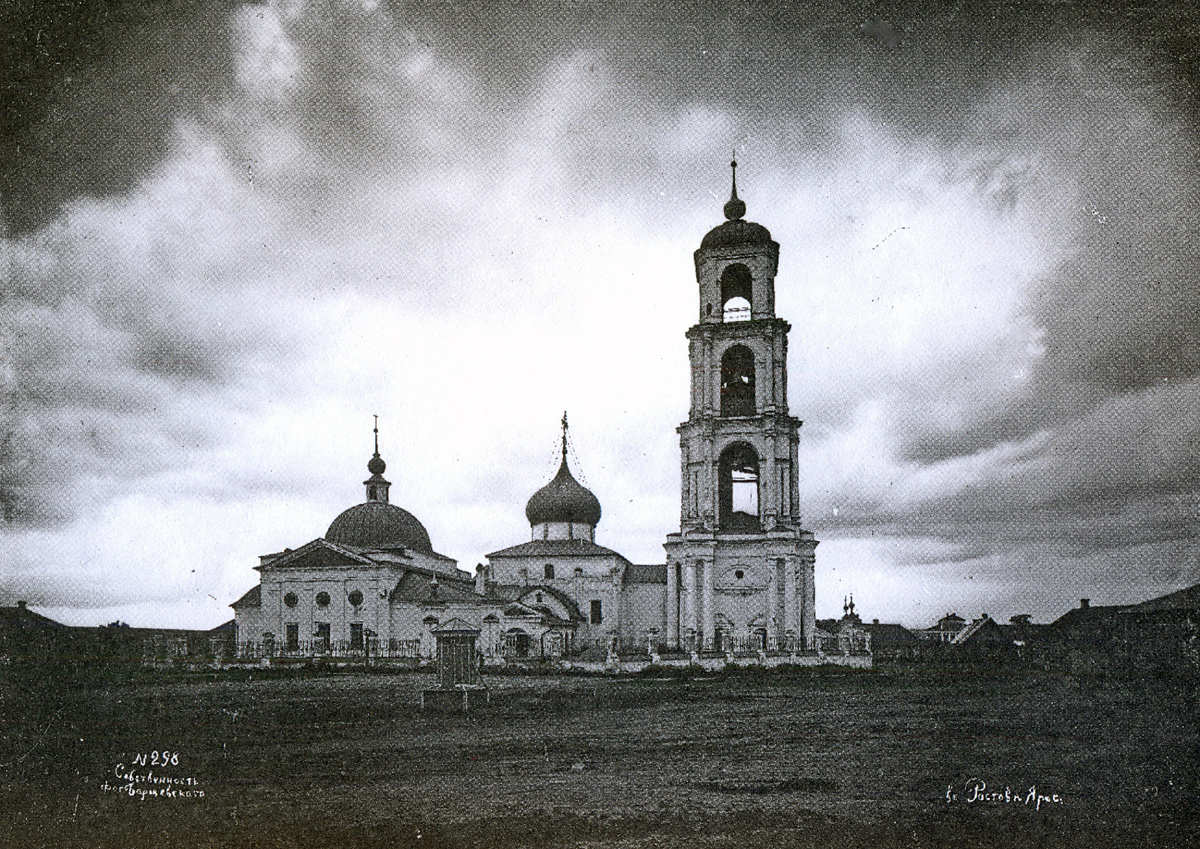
[516, 610]
[318, 554]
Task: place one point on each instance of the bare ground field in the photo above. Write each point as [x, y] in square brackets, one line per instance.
[788, 758]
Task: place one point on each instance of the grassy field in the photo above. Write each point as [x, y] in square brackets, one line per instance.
[801, 758]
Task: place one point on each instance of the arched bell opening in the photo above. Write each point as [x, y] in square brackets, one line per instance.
[737, 293]
[737, 489]
[737, 382]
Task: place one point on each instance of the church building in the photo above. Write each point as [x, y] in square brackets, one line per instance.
[738, 574]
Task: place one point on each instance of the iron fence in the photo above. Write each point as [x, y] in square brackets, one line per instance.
[374, 648]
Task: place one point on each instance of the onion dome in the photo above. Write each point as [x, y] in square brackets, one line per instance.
[564, 499]
[377, 524]
[735, 231]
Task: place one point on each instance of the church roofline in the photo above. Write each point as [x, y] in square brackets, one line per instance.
[556, 548]
[286, 556]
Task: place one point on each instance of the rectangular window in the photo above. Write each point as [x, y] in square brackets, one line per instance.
[548, 572]
[293, 636]
[356, 636]
[597, 612]
[321, 637]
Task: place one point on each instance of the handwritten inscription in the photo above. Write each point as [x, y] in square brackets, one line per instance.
[156, 759]
[137, 782]
[976, 792]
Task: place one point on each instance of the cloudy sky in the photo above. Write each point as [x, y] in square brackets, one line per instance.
[233, 232]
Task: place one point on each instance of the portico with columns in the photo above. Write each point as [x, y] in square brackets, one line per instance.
[740, 570]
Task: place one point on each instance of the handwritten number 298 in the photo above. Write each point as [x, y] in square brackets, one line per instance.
[156, 759]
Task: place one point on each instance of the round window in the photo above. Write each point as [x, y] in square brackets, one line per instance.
[322, 599]
[355, 598]
[290, 600]
[739, 574]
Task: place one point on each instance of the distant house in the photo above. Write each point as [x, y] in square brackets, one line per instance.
[946, 629]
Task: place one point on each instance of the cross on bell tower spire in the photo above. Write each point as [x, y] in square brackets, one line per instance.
[735, 208]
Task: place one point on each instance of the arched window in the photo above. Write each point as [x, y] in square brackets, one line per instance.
[737, 488]
[737, 382]
[737, 294]
[548, 572]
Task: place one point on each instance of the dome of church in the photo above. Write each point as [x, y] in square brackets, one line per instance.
[563, 500]
[377, 523]
[736, 232]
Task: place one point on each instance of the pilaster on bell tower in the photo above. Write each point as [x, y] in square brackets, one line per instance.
[740, 533]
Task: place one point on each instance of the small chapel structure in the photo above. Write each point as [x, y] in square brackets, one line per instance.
[738, 574]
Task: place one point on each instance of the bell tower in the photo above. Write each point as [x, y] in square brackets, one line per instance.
[740, 570]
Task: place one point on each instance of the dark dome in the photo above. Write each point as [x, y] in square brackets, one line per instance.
[377, 523]
[736, 232]
[563, 500]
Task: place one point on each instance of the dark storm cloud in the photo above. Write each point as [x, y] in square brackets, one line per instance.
[90, 90]
[1114, 389]
[1121, 476]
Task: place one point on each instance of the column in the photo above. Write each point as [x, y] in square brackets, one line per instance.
[615, 620]
[789, 598]
[768, 484]
[709, 623]
[808, 614]
[801, 592]
[685, 483]
[672, 604]
[772, 601]
[712, 381]
[779, 369]
[714, 497]
[689, 599]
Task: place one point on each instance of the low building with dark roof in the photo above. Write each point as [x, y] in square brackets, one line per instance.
[1161, 635]
[893, 642]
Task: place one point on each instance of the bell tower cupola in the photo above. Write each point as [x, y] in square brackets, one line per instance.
[735, 266]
